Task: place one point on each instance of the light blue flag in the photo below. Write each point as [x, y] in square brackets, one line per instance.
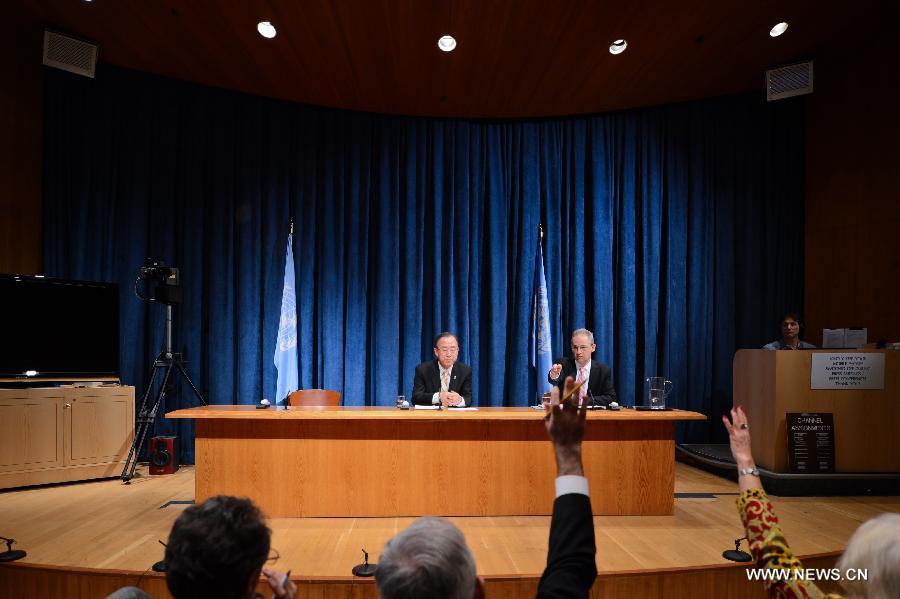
[541, 360]
[286, 362]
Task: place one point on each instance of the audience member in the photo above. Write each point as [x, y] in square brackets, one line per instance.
[218, 548]
[875, 546]
[431, 558]
[129, 593]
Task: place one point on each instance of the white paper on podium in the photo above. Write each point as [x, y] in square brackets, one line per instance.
[856, 337]
[844, 338]
[832, 338]
[418, 407]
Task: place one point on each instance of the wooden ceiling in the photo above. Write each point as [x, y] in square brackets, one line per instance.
[515, 58]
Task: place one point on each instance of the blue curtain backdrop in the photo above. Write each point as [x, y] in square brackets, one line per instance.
[675, 233]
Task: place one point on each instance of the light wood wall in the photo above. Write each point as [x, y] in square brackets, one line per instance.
[852, 193]
[21, 136]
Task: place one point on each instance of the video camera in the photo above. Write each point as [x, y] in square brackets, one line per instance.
[167, 279]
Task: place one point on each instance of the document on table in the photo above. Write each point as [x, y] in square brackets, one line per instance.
[418, 407]
[452, 409]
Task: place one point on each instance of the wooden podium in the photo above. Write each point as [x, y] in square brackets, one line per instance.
[770, 384]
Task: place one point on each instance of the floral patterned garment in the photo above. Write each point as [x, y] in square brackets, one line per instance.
[770, 548]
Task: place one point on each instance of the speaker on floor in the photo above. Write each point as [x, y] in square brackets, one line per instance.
[163, 455]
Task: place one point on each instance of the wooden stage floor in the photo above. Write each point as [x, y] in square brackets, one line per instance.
[86, 539]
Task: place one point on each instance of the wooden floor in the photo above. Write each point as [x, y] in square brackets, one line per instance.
[85, 539]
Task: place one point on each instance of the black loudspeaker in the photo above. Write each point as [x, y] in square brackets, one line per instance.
[163, 455]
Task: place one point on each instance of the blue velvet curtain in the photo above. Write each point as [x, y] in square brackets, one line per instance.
[674, 233]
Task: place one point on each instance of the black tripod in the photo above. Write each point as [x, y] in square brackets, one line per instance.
[166, 361]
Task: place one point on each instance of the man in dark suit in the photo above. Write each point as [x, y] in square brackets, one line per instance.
[599, 387]
[431, 557]
[571, 566]
[443, 381]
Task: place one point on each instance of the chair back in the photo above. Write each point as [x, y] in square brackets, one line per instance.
[314, 397]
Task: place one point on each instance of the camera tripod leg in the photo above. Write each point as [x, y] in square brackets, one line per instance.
[184, 373]
[146, 420]
[132, 452]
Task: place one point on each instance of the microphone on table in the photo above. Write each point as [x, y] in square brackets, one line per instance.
[736, 555]
[11, 555]
[159, 566]
[364, 569]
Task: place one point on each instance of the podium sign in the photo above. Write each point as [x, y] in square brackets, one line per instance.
[810, 442]
[847, 370]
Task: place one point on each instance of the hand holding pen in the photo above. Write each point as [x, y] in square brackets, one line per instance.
[281, 584]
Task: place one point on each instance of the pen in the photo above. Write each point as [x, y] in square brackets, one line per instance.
[571, 392]
[283, 582]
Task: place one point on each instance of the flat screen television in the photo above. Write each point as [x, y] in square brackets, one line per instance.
[58, 329]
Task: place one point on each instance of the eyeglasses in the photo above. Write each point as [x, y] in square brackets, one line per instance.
[273, 558]
[447, 350]
[581, 348]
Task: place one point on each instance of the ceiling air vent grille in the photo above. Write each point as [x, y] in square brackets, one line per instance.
[69, 53]
[789, 80]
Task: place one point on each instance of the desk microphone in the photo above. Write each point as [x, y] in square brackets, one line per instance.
[736, 555]
[11, 555]
[365, 568]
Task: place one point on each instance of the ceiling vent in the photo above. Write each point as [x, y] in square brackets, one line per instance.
[70, 54]
[789, 80]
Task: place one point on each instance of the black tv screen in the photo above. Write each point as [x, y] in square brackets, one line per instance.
[58, 329]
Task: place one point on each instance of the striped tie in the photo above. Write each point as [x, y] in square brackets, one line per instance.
[582, 391]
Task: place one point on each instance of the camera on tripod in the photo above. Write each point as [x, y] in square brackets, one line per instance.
[161, 283]
[157, 282]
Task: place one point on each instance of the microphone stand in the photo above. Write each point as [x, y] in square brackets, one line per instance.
[11, 555]
[159, 566]
[364, 569]
[736, 555]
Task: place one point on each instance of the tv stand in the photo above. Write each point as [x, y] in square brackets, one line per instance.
[64, 434]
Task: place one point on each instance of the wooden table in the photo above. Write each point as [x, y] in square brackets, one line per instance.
[377, 461]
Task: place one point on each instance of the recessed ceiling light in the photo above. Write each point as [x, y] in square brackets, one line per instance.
[266, 29]
[778, 29]
[618, 46]
[447, 43]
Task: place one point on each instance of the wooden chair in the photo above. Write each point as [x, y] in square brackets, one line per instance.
[314, 397]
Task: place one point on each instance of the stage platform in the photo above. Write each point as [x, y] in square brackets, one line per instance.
[86, 539]
[717, 460]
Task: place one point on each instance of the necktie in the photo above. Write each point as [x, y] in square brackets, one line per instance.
[445, 381]
[582, 391]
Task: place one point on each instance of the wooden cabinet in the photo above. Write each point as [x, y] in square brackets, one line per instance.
[61, 434]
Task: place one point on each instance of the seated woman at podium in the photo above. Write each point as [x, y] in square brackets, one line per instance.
[791, 329]
[874, 547]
